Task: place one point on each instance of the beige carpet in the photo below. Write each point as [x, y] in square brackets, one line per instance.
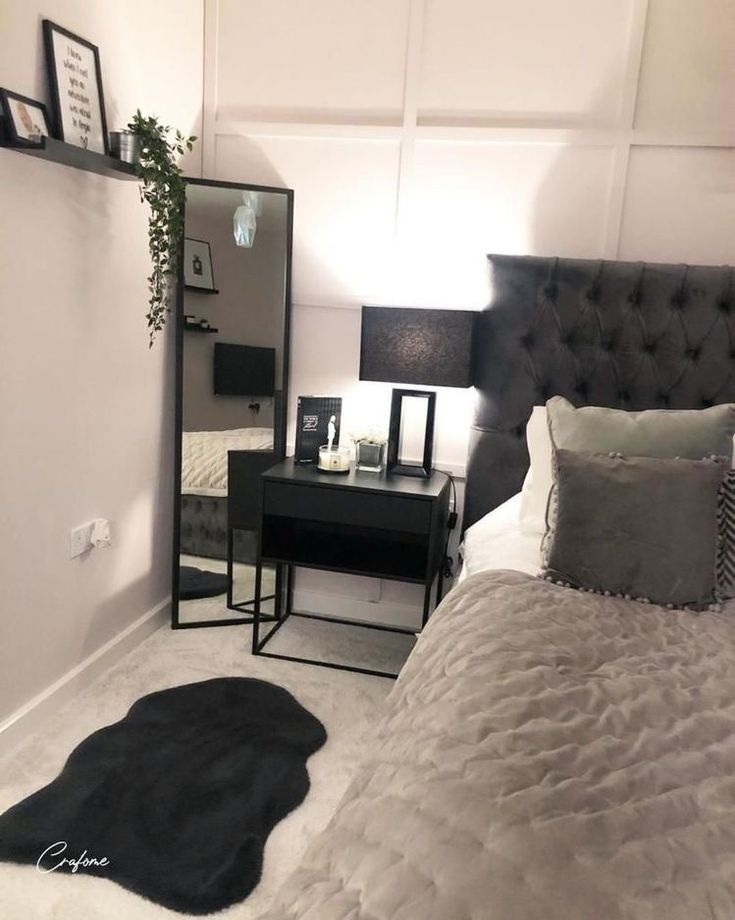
[348, 705]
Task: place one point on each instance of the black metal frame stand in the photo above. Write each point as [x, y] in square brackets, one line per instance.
[282, 616]
[242, 606]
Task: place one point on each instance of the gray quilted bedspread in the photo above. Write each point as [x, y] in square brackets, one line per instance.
[544, 754]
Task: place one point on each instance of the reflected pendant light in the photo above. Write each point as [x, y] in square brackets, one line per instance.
[244, 219]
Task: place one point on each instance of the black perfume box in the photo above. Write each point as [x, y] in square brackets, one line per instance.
[313, 414]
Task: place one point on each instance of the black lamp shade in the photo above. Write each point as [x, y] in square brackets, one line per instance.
[417, 346]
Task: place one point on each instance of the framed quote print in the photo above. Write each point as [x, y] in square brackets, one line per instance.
[76, 88]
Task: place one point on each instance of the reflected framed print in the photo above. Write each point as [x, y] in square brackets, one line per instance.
[198, 271]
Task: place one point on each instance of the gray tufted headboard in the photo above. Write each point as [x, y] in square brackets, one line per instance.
[622, 334]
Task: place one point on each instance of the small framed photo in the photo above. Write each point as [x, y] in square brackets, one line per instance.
[27, 120]
[75, 79]
[198, 265]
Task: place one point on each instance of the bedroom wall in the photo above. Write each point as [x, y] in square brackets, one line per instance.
[86, 409]
[248, 311]
[419, 135]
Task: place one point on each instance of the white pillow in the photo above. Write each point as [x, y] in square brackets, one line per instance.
[538, 481]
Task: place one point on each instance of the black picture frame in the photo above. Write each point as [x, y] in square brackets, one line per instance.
[189, 279]
[394, 465]
[7, 96]
[62, 117]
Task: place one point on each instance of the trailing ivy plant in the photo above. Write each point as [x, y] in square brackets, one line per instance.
[164, 190]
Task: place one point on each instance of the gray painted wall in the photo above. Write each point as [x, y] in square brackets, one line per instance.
[249, 310]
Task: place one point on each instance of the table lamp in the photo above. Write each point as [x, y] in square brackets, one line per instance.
[421, 347]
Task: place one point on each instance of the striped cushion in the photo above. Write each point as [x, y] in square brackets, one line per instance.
[726, 548]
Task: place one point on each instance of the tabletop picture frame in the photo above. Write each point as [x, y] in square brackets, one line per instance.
[75, 80]
[26, 119]
[198, 272]
[405, 460]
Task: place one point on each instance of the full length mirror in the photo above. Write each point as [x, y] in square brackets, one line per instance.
[232, 365]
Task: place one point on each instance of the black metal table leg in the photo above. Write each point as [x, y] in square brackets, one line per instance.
[427, 603]
[256, 604]
[278, 602]
[230, 553]
[289, 589]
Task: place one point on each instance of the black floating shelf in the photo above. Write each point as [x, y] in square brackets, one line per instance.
[78, 157]
[196, 328]
[198, 290]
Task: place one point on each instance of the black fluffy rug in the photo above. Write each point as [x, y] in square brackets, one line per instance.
[195, 583]
[178, 797]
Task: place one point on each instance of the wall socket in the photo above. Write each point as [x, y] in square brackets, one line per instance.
[80, 538]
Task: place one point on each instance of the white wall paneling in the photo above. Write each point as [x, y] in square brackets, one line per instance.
[672, 191]
[420, 134]
[471, 198]
[345, 216]
[688, 68]
[557, 61]
[551, 81]
[330, 60]
[210, 53]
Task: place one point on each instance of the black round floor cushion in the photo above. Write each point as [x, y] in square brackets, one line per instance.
[195, 583]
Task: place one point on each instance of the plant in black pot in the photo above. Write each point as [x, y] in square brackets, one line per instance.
[164, 191]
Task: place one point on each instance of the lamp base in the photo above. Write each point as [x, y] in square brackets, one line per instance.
[418, 472]
[419, 422]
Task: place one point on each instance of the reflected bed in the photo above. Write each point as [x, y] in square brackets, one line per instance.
[204, 490]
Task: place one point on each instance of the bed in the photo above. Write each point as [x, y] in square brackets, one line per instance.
[548, 753]
[204, 483]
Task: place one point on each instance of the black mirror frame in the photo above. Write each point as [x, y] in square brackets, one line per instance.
[279, 431]
[424, 469]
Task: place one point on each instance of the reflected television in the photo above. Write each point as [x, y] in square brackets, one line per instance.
[244, 370]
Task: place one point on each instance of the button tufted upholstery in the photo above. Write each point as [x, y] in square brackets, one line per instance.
[204, 530]
[623, 334]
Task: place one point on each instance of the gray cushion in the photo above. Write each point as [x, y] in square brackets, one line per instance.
[691, 433]
[643, 527]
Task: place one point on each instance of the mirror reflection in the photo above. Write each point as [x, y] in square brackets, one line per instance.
[414, 415]
[233, 364]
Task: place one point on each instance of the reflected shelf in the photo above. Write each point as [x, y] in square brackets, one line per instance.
[195, 327]
[198, 290]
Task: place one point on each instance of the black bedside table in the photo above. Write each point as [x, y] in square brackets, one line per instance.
[388, 527]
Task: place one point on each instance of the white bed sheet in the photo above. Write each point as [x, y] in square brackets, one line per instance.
[497, 542]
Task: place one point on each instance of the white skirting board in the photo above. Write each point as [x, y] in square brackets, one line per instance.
[45, 705]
